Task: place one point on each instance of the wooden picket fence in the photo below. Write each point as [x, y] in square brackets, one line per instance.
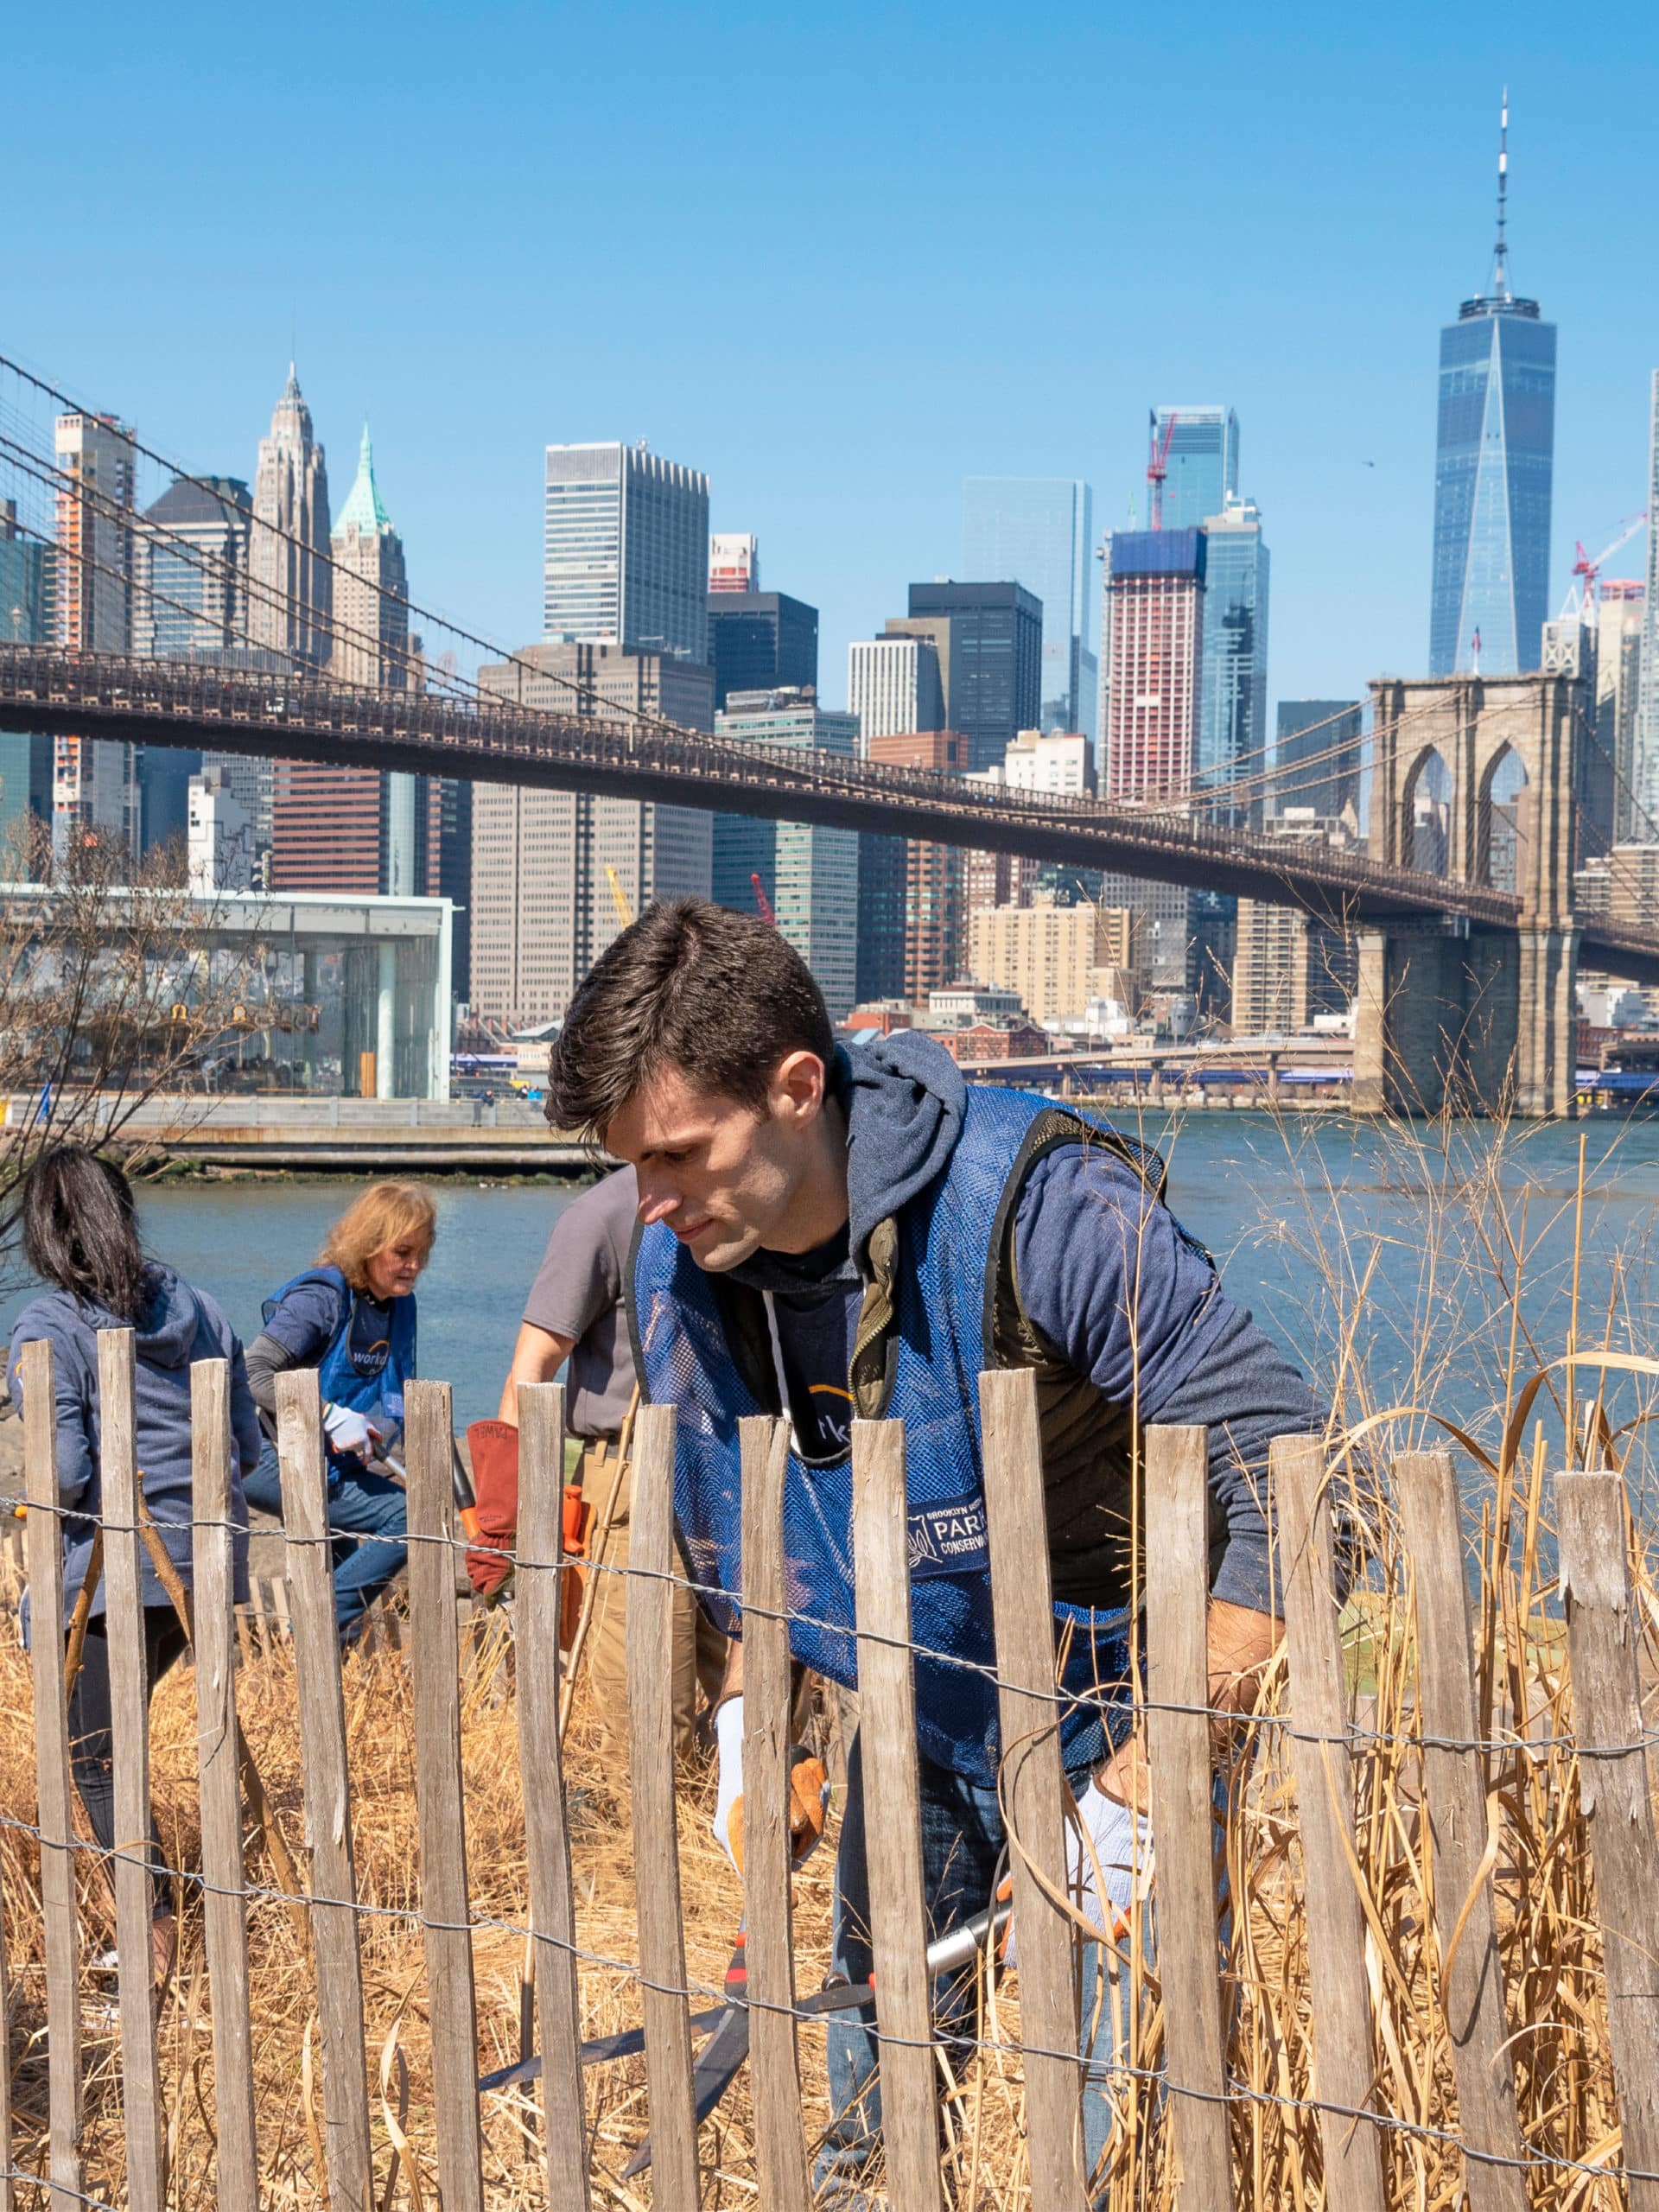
[1600, 1630]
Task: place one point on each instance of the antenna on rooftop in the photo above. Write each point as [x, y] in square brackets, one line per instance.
[1500, 251]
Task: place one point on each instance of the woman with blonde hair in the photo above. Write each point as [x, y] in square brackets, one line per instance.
[351, 1317]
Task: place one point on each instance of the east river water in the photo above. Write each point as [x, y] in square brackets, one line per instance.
[1300, 1215]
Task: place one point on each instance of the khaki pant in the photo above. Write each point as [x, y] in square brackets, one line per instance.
[699, 1647]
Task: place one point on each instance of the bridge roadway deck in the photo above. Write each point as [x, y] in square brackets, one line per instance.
[309, 718]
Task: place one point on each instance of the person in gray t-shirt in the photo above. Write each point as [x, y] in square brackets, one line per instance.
[577, 1310]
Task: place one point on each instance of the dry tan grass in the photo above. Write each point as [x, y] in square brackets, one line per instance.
[1551, 1949]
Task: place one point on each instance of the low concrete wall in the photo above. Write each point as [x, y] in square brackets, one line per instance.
[346, 1135]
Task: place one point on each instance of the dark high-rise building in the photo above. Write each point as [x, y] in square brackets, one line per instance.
[994, 688]
[450, 869]
[25, 760]
[881, 952]
[761, 641]
[1316, 759]
[1493, 467]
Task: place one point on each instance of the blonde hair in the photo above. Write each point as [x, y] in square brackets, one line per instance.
[386, 1214]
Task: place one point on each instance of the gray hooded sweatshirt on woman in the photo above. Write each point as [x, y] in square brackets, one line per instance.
[181, 1324]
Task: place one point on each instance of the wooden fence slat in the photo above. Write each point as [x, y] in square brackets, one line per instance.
[328, 1806]
[1344, 2063]
[141, 2089]
[44, 1538]
[1455, 1799]
[547, 1845]
[774, 2055]
[1033, 1781]
[1181, 1761]
[887, 1695]
[7, 2200]
[656, 1843]
[224, 1904]
[1604, 1636]
[446, 1909]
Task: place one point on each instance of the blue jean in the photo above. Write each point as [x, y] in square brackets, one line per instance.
[368, 1519]
[962, 1837]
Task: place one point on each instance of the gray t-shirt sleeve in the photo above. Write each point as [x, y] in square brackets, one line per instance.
[578, 1294]
[581, 1276]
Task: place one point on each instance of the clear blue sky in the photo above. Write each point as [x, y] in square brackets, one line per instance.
[841, 257]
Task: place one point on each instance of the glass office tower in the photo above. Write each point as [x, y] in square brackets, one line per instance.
[1038, 531]
[1233, 676]
[1201, 465]
[625, 550]
[991, 636]
[1494, 460]
[1492, 473]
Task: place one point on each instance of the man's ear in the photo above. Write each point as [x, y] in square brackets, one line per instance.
[797, 1086]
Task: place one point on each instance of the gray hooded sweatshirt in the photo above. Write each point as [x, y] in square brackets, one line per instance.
[181, 1324]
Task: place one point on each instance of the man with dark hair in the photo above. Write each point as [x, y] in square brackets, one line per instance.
[830, 1233]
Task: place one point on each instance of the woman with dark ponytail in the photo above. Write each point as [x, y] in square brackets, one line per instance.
[80, 1236]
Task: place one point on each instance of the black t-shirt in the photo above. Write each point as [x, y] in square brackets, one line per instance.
[813, 1300]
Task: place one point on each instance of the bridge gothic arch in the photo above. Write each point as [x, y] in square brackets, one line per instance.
[1425, 806]
[1470, 1013]
[1503, 809]
[1474, 725]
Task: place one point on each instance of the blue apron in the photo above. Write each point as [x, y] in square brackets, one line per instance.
[365, 1365]
[947, 1261]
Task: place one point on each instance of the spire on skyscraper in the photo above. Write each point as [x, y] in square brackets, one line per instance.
[290, 584]
[363, 510]
[1500, 251]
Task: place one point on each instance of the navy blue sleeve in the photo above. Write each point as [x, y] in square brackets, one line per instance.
[1106, 1274]
[304, 1324]
[1245, 1392]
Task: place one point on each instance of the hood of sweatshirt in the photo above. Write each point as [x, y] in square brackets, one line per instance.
[166, 1332]
[905, 1099]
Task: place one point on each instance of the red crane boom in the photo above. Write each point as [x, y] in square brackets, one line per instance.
[763, 905]
[1158, 466]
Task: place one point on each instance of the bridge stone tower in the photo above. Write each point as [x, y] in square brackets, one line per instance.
[1454, 1011]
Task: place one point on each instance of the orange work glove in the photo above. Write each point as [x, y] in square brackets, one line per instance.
[494, 1447]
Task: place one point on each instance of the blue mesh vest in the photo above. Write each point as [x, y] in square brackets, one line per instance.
[941, 1343]
[360, 1368]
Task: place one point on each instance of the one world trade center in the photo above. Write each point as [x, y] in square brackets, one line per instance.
[1493, 463]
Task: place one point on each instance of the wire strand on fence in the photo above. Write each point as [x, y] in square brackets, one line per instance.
[1116, 1697]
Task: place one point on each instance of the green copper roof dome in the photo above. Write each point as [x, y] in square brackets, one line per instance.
[363, 510]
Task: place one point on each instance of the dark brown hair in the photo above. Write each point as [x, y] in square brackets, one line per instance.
[81, 1234]
[718, 996]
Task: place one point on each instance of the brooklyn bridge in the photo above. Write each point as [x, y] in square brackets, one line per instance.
[1466, 977]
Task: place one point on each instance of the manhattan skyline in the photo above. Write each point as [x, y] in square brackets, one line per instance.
[800, 357]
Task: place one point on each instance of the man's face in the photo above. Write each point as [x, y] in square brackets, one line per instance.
[724, 1178]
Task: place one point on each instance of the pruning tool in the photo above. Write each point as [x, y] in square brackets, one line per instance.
[727, 2026]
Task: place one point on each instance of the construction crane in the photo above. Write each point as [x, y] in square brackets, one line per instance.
[1158, 466]
[1589, 571]
[618, 897]
[763, 905]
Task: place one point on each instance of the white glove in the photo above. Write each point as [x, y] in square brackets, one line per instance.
[809, 1791]
[729, 1785]
[1099, 1830]
[1107, 1843]
[348, 1430]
